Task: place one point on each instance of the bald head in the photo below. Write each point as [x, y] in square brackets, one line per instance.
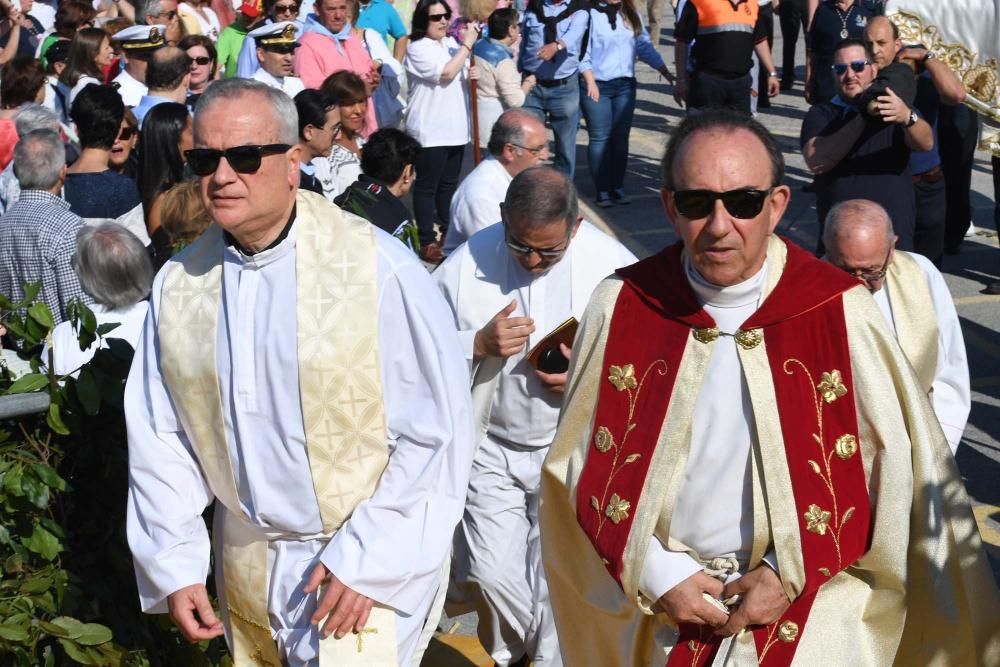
[882, 40]
[859, 237]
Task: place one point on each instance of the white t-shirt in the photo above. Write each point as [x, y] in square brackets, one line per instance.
[438, 113]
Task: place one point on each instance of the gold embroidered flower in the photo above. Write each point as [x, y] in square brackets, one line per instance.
[788, 631]
[623, 377]
[817, 520]
[617, 509]
[846, 446]
[603, 439]
[831, 386]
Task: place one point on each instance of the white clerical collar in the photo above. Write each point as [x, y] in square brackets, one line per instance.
[734, 296]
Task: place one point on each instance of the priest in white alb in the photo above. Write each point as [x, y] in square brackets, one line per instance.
[747, 471]
[915, 301]
[297, 367]
[510, 286]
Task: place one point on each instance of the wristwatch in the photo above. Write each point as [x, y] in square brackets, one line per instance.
[913, 119]
[559, 46]
[773, 74]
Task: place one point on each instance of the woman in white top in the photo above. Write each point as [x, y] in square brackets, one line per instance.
[197, 18]
[90, 53]
[437, 115]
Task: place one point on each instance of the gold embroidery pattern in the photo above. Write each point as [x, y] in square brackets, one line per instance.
[817, 520]
[362, 633]
[771, 640]
[698, 647]
[978, 78]
[623, 378]
[788, 632]
[258, 655]
[846, 446]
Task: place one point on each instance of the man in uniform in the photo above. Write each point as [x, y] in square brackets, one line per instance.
[916, 303]
[276, 54]
[138, 43]
[296, 366]
[746, 470]
[510, 286]
[725, 37]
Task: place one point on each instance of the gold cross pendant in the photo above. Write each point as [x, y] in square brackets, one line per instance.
[360, 634]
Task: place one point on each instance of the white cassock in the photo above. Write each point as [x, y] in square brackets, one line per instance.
[714, 513]
[393, 546]
[498, 548]
[951, 394]
[130, 89]
[292, 85]
[476, 204]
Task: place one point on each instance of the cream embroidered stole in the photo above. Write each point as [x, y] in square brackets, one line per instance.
[913, 314]
[341, 393]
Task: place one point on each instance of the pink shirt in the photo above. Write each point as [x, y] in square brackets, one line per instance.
[318, 57]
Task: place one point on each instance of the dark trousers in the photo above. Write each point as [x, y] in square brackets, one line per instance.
[958, 133]
[767, 18]
[438, 169]
[792, 15]
[715, 92]
[996, 192]
[928, 232]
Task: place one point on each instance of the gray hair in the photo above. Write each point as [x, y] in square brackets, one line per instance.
[509, 129]
[146, 9]
[539, 197]
[35, 117]
[39, 158]
[281, 105]
[113, 266]
[854, 215]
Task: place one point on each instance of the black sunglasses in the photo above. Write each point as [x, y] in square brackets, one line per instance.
[201, 60]
[286, 9]
[126, 133]
[744, 204]
[282, 49]
[434, 18]
[856, 65]
[243, 159]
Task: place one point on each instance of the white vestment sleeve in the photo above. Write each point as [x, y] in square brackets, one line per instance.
[393, 546]
[951, 394]
[663, 569]
[167, 492]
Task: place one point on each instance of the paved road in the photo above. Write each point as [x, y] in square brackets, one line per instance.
[644, 229]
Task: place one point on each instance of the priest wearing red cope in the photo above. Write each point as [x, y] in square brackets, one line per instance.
[746, 469]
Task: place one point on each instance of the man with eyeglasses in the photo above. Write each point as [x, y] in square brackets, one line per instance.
[517, 142]
[276, 44]
[915, 301]
[864, 153]
[161, 13]
[746, 466]
[298, 367]
[510, 286]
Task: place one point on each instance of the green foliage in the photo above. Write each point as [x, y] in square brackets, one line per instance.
[67, 585]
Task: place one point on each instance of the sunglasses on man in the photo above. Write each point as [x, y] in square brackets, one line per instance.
[283, 49]
[243, 159]
[856, 65]
[745, 203]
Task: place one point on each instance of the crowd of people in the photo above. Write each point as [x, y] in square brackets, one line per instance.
[608, 470]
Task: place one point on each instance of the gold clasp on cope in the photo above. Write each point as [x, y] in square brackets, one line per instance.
[788, 632]
[706, 334]
[748, 339]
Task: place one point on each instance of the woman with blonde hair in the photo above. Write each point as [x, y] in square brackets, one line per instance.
[183, 214]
